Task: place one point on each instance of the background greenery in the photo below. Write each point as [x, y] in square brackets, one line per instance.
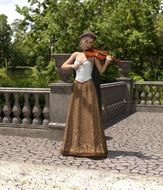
[130, 30]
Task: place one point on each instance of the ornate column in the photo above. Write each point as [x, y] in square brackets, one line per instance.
[59, 99]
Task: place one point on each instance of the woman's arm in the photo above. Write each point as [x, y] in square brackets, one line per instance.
[69, 63]
[102, 68]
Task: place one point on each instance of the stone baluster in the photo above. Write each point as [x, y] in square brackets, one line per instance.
[7, 109]
[26, 110]
[137, 94]
[16, 110]
[150, 96]
[46, 110]
[143, 96]
[36, 111]
[157, 96]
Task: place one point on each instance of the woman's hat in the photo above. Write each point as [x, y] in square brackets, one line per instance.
[88, 34]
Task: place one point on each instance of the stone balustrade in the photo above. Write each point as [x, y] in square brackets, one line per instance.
[32, 108]
[44, 110]
[24, 106]
[149, 95]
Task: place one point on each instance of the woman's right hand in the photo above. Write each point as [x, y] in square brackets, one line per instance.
[76, 66]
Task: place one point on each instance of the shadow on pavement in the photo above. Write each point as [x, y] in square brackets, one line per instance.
[115, 153]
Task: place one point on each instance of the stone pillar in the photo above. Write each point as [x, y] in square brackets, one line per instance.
[59, 99]
[124, 68]
[58, 106]
[128, 93]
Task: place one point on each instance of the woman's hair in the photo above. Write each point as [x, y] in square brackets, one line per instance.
[88, 34]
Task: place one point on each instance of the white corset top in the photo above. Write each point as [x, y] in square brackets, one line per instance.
[84, 72]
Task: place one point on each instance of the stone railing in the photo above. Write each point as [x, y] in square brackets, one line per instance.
[113, 98]
[41, 112]
[24, 107]
[148, 96]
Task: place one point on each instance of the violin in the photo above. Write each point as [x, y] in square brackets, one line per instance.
[99, 54]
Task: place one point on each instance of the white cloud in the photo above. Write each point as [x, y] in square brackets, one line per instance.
[8, 7]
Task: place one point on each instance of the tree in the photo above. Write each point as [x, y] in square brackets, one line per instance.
[159, 27]
[127, 29]
[19, 51]
[5, 37]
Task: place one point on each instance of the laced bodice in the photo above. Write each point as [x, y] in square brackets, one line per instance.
[84, 72]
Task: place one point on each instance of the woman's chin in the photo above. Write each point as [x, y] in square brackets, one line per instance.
[85, 49]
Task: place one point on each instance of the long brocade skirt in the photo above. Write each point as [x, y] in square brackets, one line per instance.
[83, 133]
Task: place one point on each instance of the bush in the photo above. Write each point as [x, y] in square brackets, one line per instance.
[135, 76]
[28, 76]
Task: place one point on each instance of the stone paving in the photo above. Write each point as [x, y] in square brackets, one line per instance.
[135, 146]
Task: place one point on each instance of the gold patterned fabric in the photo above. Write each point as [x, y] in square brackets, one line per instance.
[83, 133]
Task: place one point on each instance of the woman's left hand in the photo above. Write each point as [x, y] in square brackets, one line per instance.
[109, 58]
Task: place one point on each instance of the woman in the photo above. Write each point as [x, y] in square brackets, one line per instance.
[84, 134]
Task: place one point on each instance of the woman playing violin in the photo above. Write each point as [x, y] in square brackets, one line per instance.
[84, 133]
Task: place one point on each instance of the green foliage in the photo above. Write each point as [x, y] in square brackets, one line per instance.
[159, 27]
[51, 74]
[130, 30]
[12, 77]
[46, 76]
[135, 76]
[110, 74]
[5, 32]
[28, 76]
[125, 28]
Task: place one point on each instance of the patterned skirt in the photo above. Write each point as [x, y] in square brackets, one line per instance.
[83, 133]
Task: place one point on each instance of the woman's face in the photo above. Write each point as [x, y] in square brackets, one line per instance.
[87, 43]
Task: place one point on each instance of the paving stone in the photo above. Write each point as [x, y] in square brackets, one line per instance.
[135, 147]
[125, 164]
